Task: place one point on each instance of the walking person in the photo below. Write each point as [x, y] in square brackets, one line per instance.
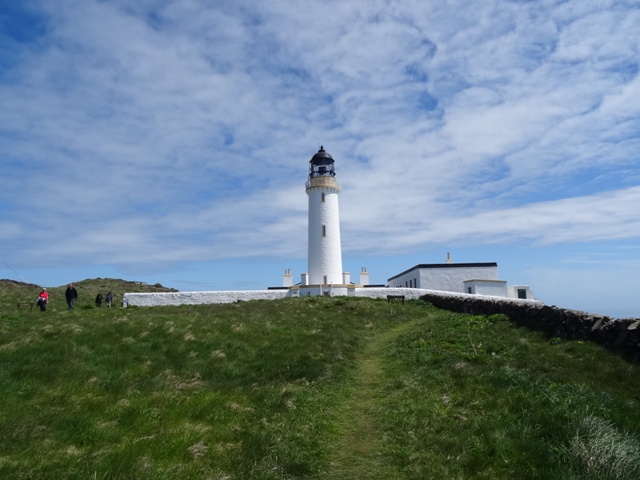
[109, 299]
[71, 294]
[43, 299]
[99, 300]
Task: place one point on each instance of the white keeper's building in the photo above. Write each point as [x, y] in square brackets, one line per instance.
[470, 278]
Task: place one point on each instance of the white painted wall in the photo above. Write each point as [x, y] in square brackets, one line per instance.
[494, 288]
[199, 298]
[325, 252]
[513, 291]
[448, 279]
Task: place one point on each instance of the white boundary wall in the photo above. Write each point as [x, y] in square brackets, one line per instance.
[199, 298]
[231, 296]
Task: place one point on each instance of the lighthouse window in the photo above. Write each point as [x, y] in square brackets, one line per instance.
[324, 230]
[322, 197]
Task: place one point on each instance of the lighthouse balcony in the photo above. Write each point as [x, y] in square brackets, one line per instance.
[319, 182]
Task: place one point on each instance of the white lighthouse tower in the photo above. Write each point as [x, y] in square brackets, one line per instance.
[325, 253]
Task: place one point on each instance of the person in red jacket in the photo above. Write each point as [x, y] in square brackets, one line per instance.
[43, 299]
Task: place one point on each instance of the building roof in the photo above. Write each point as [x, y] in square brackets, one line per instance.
[444, 265]
[484, 280]
[322, 158]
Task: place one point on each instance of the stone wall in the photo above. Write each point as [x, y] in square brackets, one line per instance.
[199, 298]
[230, 296]
[554, 321]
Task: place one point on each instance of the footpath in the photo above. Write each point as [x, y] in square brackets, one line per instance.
[360, 451]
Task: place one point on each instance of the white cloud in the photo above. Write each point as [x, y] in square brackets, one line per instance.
[177, 131]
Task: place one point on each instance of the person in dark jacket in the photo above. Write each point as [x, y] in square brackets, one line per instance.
[71, 294]
[109, 299]
[99, 300]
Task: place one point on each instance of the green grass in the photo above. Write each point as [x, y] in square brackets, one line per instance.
[317, 388]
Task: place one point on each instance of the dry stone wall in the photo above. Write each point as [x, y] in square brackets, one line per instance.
[557, 322]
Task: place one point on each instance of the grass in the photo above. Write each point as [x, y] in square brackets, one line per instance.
[495, 401]
[317, 388]
[601, 451]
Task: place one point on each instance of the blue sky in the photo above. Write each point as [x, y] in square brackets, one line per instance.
[168, 141]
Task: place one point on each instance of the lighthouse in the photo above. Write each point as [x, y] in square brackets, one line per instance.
[325, 252]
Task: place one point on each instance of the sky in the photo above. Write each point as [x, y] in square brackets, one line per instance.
[168, 141]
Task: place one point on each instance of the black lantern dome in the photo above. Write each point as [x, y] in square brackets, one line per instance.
[321, 165]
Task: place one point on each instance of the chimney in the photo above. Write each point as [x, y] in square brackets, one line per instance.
[286, 278]
[364, 276]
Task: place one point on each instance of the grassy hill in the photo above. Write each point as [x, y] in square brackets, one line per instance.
[13, 292]
[316, 388]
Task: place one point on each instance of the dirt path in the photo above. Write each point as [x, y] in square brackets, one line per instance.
[359, 455]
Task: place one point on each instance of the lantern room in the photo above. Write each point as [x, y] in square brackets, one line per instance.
[321, 165]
